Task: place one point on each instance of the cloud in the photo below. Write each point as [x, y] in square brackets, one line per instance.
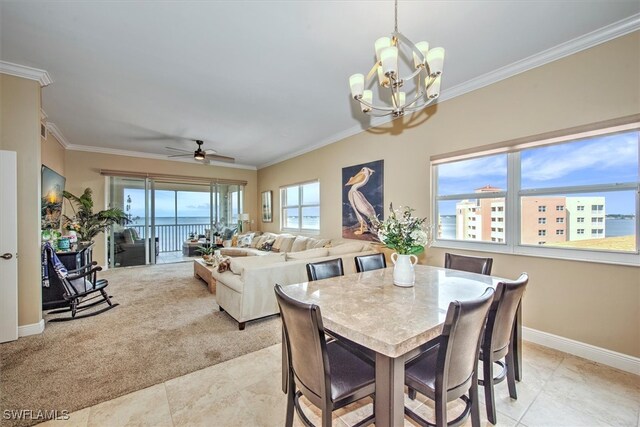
[599, 154]
[491, 166]
[202, 206]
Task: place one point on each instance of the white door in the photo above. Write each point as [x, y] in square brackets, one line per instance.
[8, 247]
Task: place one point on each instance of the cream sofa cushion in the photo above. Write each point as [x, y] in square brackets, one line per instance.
[346, 248]
[238, 264]
[308, 254]
[299, 244]
[279, 239]
[287, 243]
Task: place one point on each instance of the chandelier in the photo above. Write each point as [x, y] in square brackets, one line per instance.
[426, 73]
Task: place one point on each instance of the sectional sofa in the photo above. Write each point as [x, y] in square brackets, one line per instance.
[245, 291]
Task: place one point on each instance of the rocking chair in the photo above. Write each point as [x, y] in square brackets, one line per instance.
[78, 285]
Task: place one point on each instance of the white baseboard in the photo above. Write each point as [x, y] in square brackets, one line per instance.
[33, 329]
[591, 352]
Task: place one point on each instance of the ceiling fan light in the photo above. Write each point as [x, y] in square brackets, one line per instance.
[389, 58]
[356, 82]
[199, 155]
[381, 43]
[423, 48]
[435, 59]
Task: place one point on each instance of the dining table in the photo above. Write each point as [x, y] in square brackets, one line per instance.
[396, 323]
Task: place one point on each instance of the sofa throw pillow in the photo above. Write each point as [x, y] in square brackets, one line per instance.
[287, 243]
[277, 245]
[318, 243]
[299, 244]
[346, 248]
[255, 241]
[224, 265]
[266, 244]
[308, 254]
[244, 240]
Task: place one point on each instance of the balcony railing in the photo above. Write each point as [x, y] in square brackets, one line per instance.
[170, 237]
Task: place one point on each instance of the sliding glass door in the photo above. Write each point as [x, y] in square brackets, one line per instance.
[163, 214]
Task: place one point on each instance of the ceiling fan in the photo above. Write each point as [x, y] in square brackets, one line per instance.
[200, 154]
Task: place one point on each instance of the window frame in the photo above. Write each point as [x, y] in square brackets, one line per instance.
[300, 206]
[514, 194]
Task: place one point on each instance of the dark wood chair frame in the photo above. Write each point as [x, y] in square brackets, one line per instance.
[441, 395]
[504, 308]
[322, 401]
[77, 298]
[474, 264]
[362, 261]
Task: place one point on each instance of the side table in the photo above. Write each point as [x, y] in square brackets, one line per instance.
[204, 272]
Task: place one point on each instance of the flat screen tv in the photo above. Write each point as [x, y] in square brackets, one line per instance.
[51, 203]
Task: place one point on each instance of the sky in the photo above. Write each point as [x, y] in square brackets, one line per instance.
[606, 159]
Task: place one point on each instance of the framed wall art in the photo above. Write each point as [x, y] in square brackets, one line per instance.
[362, 200]
[267, 208]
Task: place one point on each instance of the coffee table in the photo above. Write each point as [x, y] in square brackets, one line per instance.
[203, 271]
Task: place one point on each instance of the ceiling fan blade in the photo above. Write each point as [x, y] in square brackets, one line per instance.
[220, 158]
[181, 155]
[178, 149]
[210, 152]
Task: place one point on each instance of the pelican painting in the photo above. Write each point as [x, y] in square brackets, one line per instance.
[362, 199]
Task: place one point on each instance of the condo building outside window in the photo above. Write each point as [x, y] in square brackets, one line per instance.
[300, 207]
[585, 178]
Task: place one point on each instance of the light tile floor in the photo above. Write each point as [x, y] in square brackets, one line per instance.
[171, 257]
[557, 390]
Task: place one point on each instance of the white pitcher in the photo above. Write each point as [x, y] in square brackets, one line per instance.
[403, 272]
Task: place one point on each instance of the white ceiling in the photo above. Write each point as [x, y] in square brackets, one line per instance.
[262, 80]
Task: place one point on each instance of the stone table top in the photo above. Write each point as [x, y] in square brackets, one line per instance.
[369, 309]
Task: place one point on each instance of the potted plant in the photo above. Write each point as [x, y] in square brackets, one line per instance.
[206, 252]
[85, 222]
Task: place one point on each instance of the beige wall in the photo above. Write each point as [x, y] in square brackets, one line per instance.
[594, 303]
[83, 170]
[53, 154]
[20, 132]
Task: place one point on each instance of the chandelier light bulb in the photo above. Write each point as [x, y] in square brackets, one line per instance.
[433, 91]
[356, 82]
[381, 43]
[435, 58]
[367, 96]
[423, 47]
[389, 59]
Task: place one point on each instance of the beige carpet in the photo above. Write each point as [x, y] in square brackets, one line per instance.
[167, 325]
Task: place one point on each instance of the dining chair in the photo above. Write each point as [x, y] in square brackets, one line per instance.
[497, 342]
[449, 370]
[326, 373]
[471, 264]
[325, 269]
[370, 262]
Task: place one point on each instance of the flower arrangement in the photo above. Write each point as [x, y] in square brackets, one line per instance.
[403, 232]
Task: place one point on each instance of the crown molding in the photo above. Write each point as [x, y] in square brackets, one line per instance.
[594, 38]
[143, 155]
[41, 76]
[59, 136]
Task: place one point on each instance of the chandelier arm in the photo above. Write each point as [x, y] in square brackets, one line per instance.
[421, 106]
[372, 72]
[390, 109]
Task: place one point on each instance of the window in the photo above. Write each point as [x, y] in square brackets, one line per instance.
[588, 178]
[300, 207]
